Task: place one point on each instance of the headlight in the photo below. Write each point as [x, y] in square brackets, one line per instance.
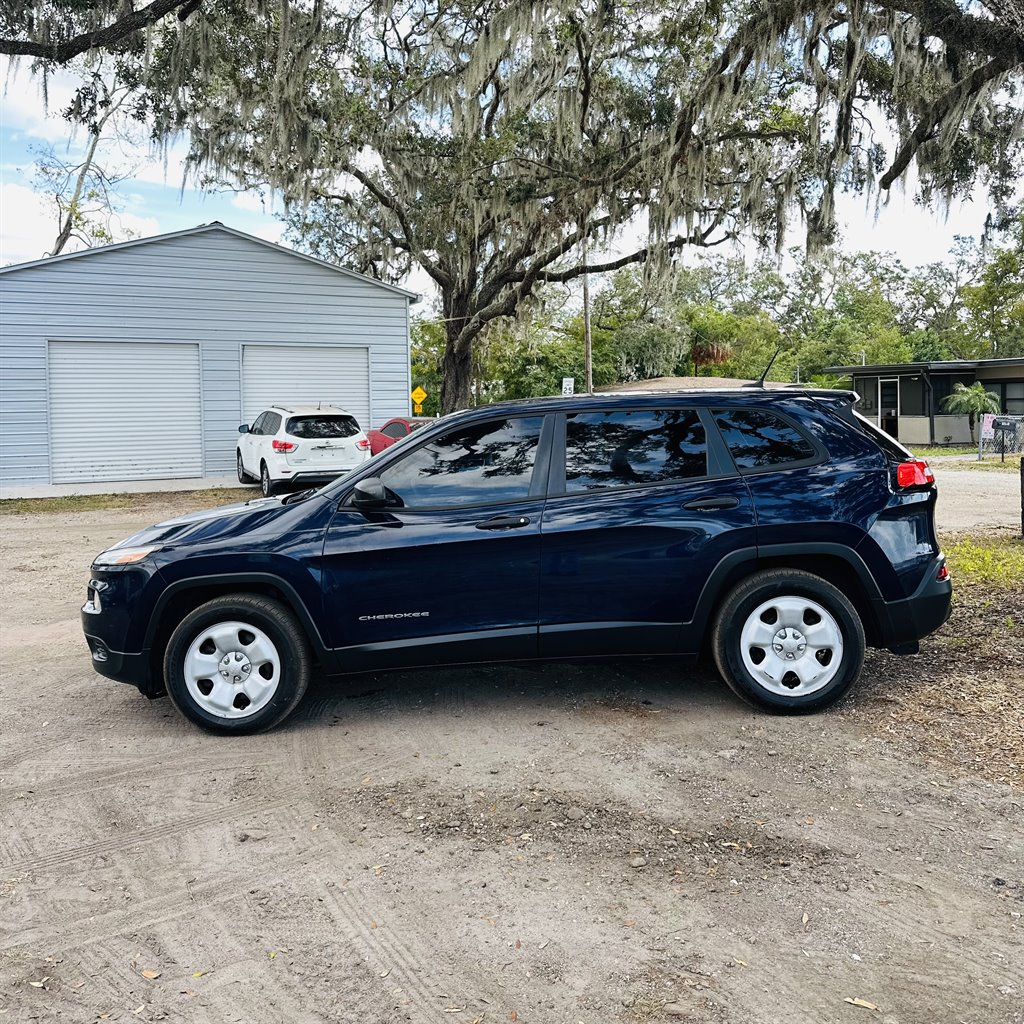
[123, 556]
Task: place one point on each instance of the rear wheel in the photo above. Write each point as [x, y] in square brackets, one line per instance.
[267, 485]
[237, 664]
[788, 641]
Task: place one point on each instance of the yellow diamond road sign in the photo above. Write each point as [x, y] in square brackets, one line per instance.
[418, 395]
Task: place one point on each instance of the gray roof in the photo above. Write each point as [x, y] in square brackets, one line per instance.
[937, 366]
[199, 230]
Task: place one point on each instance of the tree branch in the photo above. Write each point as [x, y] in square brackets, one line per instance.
[112, 34]
[937, 110]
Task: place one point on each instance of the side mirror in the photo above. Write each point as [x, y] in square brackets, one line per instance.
[370, 493]
[244, 428]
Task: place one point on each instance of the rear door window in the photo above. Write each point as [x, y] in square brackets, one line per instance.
[395, 430]
[758, 439]
[272, 423]
[633, 448]
[481, 464]
[319, 427]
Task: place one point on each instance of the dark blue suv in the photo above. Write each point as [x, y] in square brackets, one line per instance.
[777, 529]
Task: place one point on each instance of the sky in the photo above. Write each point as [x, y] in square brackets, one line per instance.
[155, 201]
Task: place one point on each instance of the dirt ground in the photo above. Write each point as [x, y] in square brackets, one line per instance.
[617, 842]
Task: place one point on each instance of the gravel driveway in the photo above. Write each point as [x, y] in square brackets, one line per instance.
[977, 499]
[620, 842]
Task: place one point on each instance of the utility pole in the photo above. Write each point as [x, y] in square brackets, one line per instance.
[588, 355]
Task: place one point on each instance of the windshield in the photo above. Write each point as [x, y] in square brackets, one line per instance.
[315, 427]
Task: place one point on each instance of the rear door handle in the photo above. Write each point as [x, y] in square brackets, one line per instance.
[711, 504]
[504, 523]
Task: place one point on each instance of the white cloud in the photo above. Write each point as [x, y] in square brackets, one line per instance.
[30, 111]
[28, 225]
[254, 201]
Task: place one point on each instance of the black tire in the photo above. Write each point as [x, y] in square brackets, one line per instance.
[283, 630]
[243, 477]
[267, 486]
[764, 587]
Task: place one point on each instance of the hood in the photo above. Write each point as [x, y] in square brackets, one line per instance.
[226, 520]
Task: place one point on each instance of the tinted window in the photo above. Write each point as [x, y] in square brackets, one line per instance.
[757, 438]
[623, 449]
[395, 430]
[475, 465]
[257, 427]
[322, 426]
[272, 423]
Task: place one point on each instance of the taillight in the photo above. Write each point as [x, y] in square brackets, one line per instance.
[283, 446]
[364, 444]
[943, 573]
[915, 473]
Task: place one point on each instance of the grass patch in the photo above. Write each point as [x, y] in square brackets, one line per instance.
[993, 562]
[126, 502]
[930, 451]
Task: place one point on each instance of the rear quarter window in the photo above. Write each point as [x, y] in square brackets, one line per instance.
[758, 439]
[322, 426]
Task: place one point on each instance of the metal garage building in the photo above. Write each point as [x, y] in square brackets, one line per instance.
[139, 360]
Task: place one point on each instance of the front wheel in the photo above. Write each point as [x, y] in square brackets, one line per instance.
[243, 477]
[237, 664]
[788, 641]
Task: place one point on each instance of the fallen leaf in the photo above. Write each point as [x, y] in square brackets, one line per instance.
[200, 974]
[804, 920]
[139, 1009]
[861, 1002]
[78, 984]
[519, 945]
[373, 924]
[151, 974]
[37, 984]
[384, 974]
[742, 963]
[272, 953]
[513, 1015]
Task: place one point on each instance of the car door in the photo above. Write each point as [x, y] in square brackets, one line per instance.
[643, 504]
[450, 571]
[249, 445]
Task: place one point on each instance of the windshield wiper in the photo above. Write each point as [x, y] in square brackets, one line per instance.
[299, 496]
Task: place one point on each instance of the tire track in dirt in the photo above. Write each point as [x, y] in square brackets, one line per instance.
[392, 954]
[147, 834]
[155, 768]
[224, 887]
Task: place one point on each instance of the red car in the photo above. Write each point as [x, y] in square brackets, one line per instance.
[388, 434]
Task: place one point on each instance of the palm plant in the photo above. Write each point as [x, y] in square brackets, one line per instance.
[972, 402]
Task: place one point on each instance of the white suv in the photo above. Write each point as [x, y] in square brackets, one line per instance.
[308, 444]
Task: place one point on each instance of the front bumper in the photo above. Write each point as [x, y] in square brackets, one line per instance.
[133, 669]
[900, 624]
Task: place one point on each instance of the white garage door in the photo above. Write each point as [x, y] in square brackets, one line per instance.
[124, 411]
[304, 374]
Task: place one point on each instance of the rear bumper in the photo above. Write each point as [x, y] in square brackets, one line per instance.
[900, 624]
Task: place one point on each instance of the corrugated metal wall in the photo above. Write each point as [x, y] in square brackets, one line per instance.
[212, 288]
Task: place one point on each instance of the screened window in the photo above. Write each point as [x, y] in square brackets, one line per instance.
[272, 423]
[322, 426]
[1013, 402]
[757, 438]
[482, 464]
[624, 449]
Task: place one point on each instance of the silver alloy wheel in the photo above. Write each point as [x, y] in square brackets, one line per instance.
[232, 669]
[265, 481]
[242, 475]
[792, 646]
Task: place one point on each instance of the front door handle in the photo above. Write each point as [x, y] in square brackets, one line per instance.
[710, 504]
[504, 523]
